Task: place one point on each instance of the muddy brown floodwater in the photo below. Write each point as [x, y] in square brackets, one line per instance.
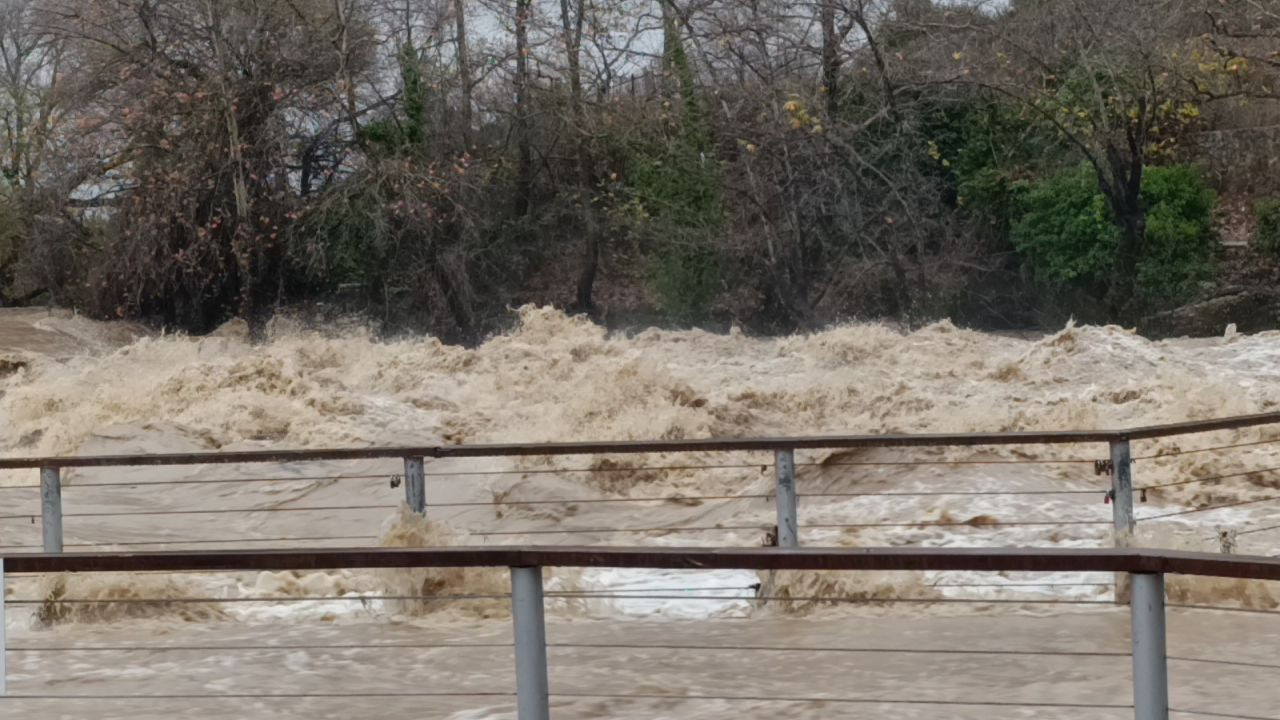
[681, 644]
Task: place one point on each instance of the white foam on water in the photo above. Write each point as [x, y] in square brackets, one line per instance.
[669, 594]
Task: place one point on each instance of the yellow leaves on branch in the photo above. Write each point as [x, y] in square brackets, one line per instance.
[800, 116]
[936, 154]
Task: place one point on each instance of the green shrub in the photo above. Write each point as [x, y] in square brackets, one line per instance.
[1177, 254]
[1267, 236]
[404, 129]
[1066, 232]
[678, 184]
[686, 281]
[981, 148]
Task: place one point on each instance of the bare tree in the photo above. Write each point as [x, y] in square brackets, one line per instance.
[523, 110]
[30, 67]
[465, 79]
[573, 14]
[830, 55]
[1245, 38]
[198, 96]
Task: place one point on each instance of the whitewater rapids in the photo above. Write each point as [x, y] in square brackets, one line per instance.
[71, 386]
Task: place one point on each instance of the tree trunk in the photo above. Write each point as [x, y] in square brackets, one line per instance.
[830, 56]
[590, 266]
[343, 43]
[1124, 195]
[524, 141]
[668, 22]
[464, 71]
[793, 293]
[1133, 231]
[240, 236]
[882, 68]
[572, 21]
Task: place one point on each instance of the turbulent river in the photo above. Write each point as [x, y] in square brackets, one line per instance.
[202, 646]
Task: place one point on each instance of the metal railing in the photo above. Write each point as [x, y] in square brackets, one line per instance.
[532, 689]
[786, 529]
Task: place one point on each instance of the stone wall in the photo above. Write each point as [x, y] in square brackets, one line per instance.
[1242, 161]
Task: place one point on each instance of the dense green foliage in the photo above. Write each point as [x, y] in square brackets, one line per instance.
[1066, 231]
[686, 279]
[676, 179]
[405, 130]
[1178, 253]
[987, 152]
[1267, 235]
[679, 194]
[677, 184]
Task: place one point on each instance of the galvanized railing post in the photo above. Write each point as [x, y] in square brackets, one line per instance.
[532, 687]
[51, 509]
[415, 485]
[1122, 491]
[4, 674]
[785, 500]
[1150, 665]
[1121, 508]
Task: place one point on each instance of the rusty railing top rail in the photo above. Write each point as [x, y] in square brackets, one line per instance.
[1132, 560]
[831, 442]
